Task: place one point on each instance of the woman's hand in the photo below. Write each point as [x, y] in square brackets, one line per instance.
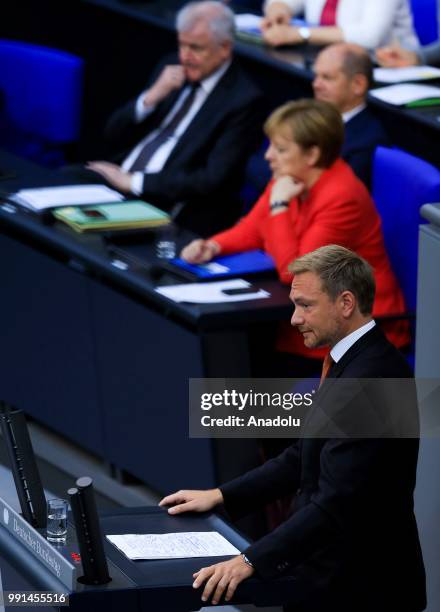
[396, 57]
[192, 501]
[200, 251]
[285, 188]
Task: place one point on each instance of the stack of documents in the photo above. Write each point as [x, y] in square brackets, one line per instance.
[409, 73]
[184, 545]
[118, 216]
[213, 293]
[410, 94]
[42, 198]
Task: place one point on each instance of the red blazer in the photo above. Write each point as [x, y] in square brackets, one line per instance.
[337, 210]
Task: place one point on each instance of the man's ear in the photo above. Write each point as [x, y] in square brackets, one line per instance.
[226, 47]
[359, 84]
[348, 303]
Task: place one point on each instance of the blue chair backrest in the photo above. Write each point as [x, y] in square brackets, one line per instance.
[425, 16]
[42, 90]
[402, 183]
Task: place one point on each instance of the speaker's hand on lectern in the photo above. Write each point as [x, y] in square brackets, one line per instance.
[222, 578]
[192, 501]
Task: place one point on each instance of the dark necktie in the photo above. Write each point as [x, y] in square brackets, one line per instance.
[150, 147]
[327, 364]
[328, 15]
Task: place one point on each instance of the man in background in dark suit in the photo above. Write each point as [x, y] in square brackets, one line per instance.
[343, 75]
[185, 140]
[351, 542]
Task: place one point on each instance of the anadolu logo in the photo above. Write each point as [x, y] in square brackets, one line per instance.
[5, 516]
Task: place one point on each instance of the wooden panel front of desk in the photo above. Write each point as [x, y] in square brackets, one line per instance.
[110, 372]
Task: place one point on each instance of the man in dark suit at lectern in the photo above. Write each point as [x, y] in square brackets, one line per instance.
[184, 141]
[351, 542]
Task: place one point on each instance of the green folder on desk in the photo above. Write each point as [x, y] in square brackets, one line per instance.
[424, 102]
[133, 214]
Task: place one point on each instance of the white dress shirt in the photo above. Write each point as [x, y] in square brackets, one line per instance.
[159, 158]
[369, 23]
[339, 350]
[353, 112]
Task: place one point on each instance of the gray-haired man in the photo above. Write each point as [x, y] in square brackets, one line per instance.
[187, 136]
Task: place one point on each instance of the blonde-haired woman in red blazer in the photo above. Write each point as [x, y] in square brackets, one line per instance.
[313, 199]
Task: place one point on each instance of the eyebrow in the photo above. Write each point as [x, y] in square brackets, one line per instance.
[302, 300]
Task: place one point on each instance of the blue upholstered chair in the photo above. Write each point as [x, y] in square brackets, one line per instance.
[402, 183]
[425, 20]
[41, 94]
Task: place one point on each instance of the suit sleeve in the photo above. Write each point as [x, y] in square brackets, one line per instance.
[122, 124]
[275, 478]
[361, 162]
[122, 127]
[234, 142]
[347, 476]
[430, 54]
[363, 134]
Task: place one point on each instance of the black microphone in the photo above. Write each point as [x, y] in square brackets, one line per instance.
[88, 532]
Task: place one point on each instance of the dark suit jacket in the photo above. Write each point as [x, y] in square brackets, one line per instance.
[363, 134]
[351, 541]
[205, 169]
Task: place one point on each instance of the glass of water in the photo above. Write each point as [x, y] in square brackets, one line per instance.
[56, 520]
[165, 242]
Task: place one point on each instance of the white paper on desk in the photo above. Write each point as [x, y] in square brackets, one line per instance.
[211, 293]
[405, 93]
[247, 21]
[184, 545]
[410, 73]
[42, 198]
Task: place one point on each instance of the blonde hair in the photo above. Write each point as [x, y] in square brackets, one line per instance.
[340, 269]
[310, 123]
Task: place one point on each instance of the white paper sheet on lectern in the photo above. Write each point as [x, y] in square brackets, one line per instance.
[184, 545]
[211, 293]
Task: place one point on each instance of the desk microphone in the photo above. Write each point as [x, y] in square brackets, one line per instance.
[24, 467]
[88, 532]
